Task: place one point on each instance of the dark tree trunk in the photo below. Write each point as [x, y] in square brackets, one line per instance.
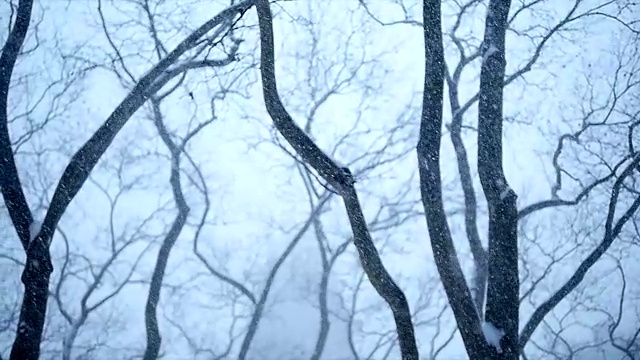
[35, 278]
[502, 309]
[428, 150]
[10, 185]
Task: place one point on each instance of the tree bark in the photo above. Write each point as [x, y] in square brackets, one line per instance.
[428, 150]
[502, 309]
[35, 278]
[10, 185]
[38, 268]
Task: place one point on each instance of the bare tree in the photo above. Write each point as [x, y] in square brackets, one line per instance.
[500, 263]
[341, 179]
[38, 265]
[514, 268]
[177, 148]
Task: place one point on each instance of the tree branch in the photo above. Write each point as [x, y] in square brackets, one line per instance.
[470, 202]
[38, 268]
[87, 157]
[428, 150]
[550, 203]
[611, 230]
[502, 309]
[341, 180]
[151, 321]
[10, 185]
[262, 301]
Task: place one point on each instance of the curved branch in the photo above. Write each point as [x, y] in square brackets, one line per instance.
[207, 204]
[153, 332]
[87, 157]
[327, 168]
[616, 322]
[341, 180]
[530, 209]
[10, 185]
[612, 230]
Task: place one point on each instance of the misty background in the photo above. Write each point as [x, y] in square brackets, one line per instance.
[261, 227]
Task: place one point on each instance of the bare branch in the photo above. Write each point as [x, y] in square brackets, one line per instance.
[502, 309]
[260, 305]
[545, 204]
[86, 158]
[10, 185]
[341, 180]
[611, 231]
[428, 150]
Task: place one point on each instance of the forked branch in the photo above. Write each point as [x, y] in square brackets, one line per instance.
[612, 229]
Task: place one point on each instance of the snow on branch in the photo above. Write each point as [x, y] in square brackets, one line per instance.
[34, 229]
[492, 335]
[491, 49]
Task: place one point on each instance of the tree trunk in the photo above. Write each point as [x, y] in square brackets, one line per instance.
[502, 309]
[35, 278]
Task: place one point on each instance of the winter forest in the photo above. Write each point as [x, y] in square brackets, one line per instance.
[319, 179]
